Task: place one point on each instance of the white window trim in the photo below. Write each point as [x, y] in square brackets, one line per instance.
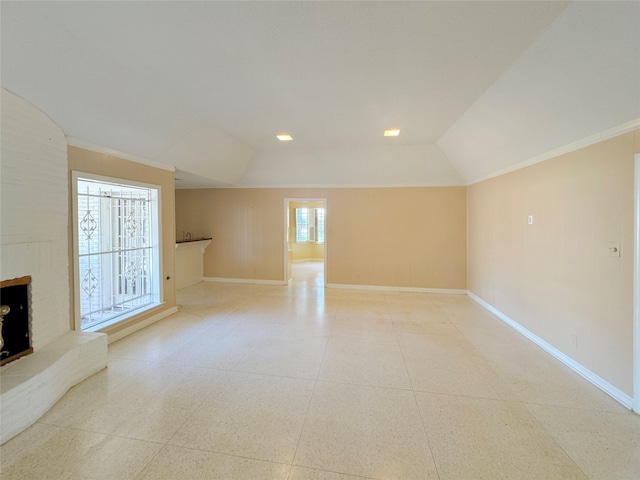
[76, 251]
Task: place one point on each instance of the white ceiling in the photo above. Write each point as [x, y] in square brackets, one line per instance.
[205, 86]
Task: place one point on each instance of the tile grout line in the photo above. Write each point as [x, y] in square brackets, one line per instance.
[415, 400]
[306, 415]
[215, 452]
[516, 401]
[166, 442]
[555, 440]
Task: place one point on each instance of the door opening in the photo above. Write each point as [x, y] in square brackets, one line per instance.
[305, 245]
[636, 289]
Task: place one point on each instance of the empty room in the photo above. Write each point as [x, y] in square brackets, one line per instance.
[308, 240]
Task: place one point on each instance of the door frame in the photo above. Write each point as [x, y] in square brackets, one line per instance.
[286, 234]
[636, 286]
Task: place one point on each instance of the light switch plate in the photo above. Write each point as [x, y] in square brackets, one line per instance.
[613, 249]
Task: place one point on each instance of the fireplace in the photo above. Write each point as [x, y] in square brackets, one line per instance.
[34, 240]
[15, 315]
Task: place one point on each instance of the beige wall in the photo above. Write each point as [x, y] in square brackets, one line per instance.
[306, 250]
[101, 164]
[554, 277]
[404, 237]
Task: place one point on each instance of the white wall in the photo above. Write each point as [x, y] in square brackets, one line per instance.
[34, 213]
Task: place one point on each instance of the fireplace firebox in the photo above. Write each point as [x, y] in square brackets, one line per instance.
[15, 332]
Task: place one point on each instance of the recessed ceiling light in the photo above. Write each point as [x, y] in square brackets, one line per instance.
[393, 132]
[284, 137]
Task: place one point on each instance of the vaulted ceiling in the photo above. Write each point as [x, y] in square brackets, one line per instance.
[475, 87]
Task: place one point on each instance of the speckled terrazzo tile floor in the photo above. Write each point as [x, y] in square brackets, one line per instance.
[307, 383]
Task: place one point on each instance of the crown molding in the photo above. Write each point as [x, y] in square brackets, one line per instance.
[571, 147]
[76, 142]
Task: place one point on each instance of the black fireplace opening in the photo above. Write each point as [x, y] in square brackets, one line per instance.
[15, 335]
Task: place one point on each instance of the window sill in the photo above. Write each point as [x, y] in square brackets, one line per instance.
[118, 322]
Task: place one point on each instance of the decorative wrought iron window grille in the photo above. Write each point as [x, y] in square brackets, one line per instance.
[117, 249]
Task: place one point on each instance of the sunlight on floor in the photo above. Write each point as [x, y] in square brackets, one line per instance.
[303, 382]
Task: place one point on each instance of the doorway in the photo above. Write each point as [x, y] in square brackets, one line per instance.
[636, 289]
[305, 248]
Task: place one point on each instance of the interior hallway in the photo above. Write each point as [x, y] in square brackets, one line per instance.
[302, 382]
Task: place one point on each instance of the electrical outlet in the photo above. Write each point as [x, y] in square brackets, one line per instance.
[574, 340]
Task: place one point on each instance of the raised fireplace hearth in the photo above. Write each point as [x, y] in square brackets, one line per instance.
[15, 324]
[31, 384]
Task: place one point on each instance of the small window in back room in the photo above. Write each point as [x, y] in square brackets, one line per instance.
[302, 225]
[310, 225]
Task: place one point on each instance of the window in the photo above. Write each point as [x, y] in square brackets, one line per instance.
[310, 225]
[117, 249]
[320, 225]
[302, 225]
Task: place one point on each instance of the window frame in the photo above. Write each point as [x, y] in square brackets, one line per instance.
[156, 251]
[297, 225]
[324, 224]
[311, 223]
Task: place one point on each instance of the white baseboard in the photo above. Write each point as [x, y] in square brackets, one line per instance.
[599, 382]
[304, 260]
[379, 288]
[245, 280]
[140, 325]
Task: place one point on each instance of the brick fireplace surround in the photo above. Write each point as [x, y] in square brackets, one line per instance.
[34, 241]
